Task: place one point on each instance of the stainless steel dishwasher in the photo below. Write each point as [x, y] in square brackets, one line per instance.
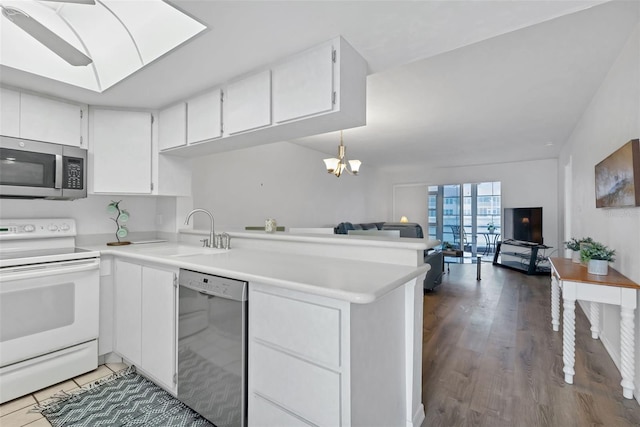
[212, 347]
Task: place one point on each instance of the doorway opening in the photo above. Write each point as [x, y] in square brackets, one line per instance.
[466, 217]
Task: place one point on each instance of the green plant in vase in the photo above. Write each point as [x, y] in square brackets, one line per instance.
[491, 227]
[121, 216]
[597, 256]
[575, 245]
[446, 246]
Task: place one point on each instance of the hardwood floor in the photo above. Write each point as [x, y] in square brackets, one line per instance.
[490, 358]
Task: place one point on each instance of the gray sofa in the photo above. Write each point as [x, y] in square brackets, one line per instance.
[407, 229]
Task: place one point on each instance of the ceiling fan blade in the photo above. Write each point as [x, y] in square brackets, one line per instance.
[45, 36]
[74, 1]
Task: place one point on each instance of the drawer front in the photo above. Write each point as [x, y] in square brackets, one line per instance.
[265, 413]
[302, 388]
[306, 329]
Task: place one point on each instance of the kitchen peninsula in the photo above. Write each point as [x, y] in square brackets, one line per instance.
[334, 324]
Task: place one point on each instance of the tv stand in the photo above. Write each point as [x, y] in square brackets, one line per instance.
[522, 256]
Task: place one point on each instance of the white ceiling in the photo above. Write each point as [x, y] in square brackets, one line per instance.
[451, 83]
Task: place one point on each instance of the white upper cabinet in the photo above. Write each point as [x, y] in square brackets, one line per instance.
[48, 120]
[247, 103]
[9, 112]
[172, 126]
[204, 117]
[320, 90]
[120, 151]
[303, 86]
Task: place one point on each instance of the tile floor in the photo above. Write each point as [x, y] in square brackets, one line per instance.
[15, 413]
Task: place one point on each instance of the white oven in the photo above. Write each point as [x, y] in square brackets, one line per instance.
[49, 308]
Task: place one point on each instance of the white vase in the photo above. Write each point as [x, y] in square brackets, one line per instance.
[598, 266]
[270, 225]
[575, 256]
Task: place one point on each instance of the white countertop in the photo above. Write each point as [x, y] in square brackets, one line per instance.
[354, 281]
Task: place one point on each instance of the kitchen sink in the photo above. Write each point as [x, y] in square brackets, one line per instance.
[183, 251]
[201, 251]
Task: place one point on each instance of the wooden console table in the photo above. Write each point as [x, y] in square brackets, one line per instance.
[576, 284]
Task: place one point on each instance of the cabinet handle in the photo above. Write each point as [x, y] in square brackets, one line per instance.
[58, 180]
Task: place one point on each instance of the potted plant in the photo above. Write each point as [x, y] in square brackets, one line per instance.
[597, 256]
[575, 246]
[491, 227]
[121, 216]
[446, 246]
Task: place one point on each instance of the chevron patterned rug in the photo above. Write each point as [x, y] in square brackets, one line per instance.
[123, 400]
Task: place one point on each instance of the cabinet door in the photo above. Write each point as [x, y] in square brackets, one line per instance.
[266, 413]
[48, 120]
[159, 325]
[105, 337]
[127, 308]
[204, 117]
[172, 127]
[247, 103]
[121, 148]
[304, 336]
[303, 86]
[9, 112]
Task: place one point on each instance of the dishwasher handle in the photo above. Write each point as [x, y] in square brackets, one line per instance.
[238, 295]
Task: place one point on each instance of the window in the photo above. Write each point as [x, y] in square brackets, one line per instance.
[468, 216]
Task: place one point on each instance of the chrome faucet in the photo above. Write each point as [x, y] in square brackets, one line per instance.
[211, 242]
[225, 240]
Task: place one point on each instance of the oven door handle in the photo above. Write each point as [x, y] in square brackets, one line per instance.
[48, 269]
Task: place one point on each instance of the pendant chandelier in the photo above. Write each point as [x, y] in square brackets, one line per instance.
[338, 165]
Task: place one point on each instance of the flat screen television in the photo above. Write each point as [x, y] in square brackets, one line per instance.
[524, 224]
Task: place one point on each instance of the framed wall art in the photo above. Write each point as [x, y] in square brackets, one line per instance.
[618, 178]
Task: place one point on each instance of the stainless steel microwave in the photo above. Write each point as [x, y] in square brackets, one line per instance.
[40, 170]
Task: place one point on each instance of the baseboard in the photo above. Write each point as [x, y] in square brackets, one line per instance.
[418, 417]
[109, 358]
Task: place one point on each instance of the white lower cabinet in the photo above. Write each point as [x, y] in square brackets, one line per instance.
[159, 325]
[272, 415]
[298, 358]
[145, 320]
[127, 311]
[327, 362]
[105, 337]
[308, 390]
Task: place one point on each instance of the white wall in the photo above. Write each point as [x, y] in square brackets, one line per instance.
[90, 214]
[282, 181]
[611, 119]
[410, 200]
[524, 184]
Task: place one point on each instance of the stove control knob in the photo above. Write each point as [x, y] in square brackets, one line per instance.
[29, 228]
[64, 227]
[53, 227]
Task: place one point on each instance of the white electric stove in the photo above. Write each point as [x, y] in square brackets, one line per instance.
[49, 305]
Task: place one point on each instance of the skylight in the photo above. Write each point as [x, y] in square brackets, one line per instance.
[114, 38]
